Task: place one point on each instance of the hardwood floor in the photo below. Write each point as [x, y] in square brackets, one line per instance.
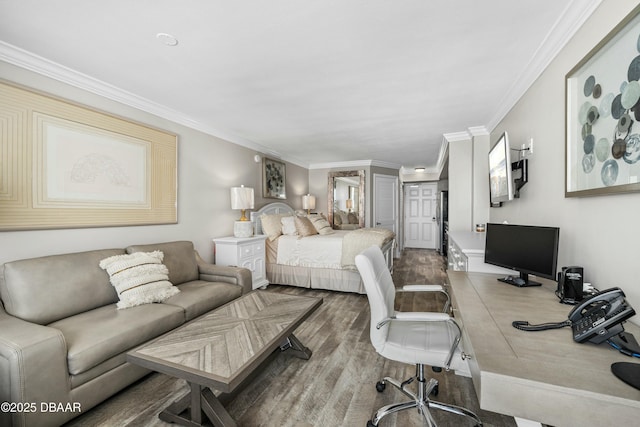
[336, 387]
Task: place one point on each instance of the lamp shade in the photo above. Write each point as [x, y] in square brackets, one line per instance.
[308, 201]
[349, 203]
[241, 197]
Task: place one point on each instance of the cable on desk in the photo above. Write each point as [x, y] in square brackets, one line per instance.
[625, 343]
[523, 325]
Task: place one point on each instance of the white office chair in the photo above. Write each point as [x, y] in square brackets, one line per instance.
[417, 338]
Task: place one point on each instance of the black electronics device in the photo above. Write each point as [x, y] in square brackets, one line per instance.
[600, 317]
[525, 248]
[570, 284]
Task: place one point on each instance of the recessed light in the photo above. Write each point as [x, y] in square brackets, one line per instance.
[167, 39]
[420, 169]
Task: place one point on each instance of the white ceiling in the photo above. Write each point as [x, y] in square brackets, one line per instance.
[314, 81]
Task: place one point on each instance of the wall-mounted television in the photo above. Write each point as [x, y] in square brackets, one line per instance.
[527, 249]
[501, 185]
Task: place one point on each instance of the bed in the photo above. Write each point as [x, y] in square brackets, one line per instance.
[319, 261]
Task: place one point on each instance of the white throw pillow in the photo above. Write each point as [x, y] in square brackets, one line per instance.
[139, 278]
[288, 226]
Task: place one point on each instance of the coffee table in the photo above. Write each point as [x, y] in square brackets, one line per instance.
[221, 349]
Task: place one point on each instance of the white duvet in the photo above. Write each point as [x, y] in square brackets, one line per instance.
[318, 251]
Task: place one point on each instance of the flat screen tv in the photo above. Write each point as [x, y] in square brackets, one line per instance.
[527, 249]
[501, 185]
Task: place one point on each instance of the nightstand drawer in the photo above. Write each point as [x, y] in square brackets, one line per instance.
[250, 250]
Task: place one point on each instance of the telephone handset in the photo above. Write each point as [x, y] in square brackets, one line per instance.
[600, 317]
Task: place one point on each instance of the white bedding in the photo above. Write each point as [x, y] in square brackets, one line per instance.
[318, 251]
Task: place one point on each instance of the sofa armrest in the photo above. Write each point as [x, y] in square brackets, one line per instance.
[33, 365]
[219, 273]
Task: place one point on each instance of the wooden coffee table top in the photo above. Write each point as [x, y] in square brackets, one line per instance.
[221, 348]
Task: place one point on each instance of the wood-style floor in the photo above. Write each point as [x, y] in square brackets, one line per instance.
[336, 387]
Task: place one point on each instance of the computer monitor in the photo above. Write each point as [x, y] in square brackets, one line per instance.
[525, 248]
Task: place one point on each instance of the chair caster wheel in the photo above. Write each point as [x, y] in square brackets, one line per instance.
[370, 424]
[435, 390]
[380, 386]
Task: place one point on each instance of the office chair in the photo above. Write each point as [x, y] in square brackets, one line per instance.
[422, 339]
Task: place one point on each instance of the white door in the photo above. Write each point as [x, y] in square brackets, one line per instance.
[385, 202]
[420, 225]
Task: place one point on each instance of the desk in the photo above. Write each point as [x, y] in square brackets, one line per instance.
[543, 376]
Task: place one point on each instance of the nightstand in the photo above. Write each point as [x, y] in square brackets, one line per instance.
[247, 252]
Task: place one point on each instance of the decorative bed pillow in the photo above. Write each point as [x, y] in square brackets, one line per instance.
[139, 278]
[304, 226]
[353, 218]
[288, 226]
[272, 225]
[321, 224]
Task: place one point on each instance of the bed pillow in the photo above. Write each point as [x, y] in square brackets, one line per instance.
[321, 224]
[139, 278]
[272, 225]
[288, 226]
[304, 226]
[353, 218]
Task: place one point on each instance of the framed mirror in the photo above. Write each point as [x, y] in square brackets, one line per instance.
[345, 199]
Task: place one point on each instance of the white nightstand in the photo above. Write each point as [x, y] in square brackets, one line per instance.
[247, 252]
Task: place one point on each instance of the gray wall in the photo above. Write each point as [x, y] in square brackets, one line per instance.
[207, 168]
[599, 233]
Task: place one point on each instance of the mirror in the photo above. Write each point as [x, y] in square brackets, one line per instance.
[345, 200]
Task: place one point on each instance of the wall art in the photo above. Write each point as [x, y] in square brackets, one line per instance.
[64, 165]
[603, 115]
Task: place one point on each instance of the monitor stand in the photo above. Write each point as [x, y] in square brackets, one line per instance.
[521, 281]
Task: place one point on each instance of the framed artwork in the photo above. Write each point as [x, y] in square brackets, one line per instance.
[603, 115]
[69, 166]
[273, 179]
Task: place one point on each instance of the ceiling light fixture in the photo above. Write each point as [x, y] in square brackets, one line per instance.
[167, 39]
[419, 169]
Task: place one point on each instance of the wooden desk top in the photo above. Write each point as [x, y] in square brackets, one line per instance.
[543, 376]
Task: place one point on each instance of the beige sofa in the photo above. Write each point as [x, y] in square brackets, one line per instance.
[63, 342]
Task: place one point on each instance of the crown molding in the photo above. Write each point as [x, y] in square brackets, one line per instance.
[354, 164]
[568, 23]
[37, 64]
[457, 136]
[478, 131]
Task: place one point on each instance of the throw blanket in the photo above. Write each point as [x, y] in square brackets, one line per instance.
[358, 240]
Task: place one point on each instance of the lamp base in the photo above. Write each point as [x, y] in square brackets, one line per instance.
[243, 229]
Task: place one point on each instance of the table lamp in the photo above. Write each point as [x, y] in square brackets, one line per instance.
[308, 202]
[242, 198]
[349, 205]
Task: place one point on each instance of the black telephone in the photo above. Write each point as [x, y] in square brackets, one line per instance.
[600, 317]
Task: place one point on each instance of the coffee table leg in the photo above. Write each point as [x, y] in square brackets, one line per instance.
[188, 410]
[215, 411]
[296, 348]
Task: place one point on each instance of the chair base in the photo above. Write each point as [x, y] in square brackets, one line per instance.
[421, 401]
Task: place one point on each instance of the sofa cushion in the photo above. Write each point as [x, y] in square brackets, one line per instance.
[43, 290]
[199, 296]
[139, 278]
[97, 335]
[179, 257]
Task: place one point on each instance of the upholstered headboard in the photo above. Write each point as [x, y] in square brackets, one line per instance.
[270, 209]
